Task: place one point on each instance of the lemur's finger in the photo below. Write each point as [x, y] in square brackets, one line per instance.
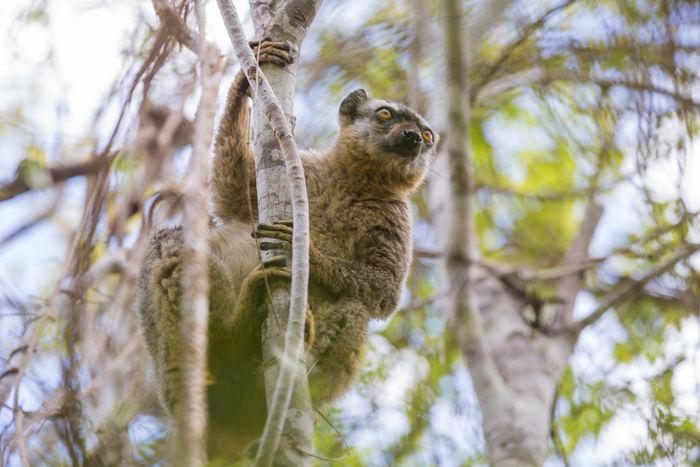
[256, 42]
[288, 222]
[276, 227]
[281, 236]
[276, 44]
[272, 231]
[270, 49]
[266, 246]
[267, 58]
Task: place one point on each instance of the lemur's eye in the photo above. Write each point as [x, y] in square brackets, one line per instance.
[384, 114]
[427, 136]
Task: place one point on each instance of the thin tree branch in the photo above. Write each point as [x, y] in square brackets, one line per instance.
[195, 275]
[36, 220]
[291, 374]
[420, 303]
[58, 174]
[628, 289]
[540, 76]
[513, 46]
[171, 20]
[570, 284]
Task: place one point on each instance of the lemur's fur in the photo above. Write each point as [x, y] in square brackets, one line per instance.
[360, 252]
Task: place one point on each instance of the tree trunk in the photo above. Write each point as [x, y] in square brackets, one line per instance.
[514, 368]
[278, 166]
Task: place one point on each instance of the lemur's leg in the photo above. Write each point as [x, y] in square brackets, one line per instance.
[254, 292]
[233, 171]
[160, 309]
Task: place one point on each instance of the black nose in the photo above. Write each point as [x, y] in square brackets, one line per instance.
[411, 137]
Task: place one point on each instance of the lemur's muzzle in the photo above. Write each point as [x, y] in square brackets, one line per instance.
[405, 142]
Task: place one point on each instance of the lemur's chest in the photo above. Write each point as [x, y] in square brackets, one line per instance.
[338, 221]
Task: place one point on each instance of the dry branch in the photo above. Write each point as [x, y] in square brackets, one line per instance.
[192, 418]
[170, 19]
[58, 174]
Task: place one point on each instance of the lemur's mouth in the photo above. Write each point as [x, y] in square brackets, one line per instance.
[404, 142]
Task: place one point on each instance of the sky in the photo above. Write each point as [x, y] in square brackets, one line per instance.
[60, 74]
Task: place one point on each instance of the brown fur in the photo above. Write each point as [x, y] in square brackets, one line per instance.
[360, 252]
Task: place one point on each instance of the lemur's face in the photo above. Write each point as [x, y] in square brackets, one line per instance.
[393, 136]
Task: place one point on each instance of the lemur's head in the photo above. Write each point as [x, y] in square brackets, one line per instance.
[387, 138]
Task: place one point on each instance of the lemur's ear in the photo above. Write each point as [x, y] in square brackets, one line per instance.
[350, 105]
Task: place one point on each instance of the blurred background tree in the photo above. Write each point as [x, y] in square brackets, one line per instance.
[582, 119]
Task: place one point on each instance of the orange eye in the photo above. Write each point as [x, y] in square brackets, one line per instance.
[384, 114]
[427, 136]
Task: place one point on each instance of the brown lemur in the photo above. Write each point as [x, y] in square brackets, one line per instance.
[360, 252]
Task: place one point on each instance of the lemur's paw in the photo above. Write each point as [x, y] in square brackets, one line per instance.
[269, 51]
[275, 267]
[169, 272]
[280, 231]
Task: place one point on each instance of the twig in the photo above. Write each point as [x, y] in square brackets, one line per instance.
[36, 220]
[540, 76]
[417, 304]
[171, 20]
[513, 46]
[58, 174]
[627, 289]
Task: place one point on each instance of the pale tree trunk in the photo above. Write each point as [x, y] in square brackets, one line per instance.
[281, 192]
[515, 369]
[515, 366]
[192, 420]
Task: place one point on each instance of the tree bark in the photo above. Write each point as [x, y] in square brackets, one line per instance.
[195, 276]
[281, 192]
[516, 385]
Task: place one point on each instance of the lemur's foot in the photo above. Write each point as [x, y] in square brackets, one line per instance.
[273, 268]
[281, 231]
[269, 51]
[266, 51]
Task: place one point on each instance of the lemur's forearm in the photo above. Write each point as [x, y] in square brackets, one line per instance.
[377, 286]
[233, 171]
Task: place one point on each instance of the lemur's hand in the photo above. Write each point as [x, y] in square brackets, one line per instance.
[281, 231]
[266, 51]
